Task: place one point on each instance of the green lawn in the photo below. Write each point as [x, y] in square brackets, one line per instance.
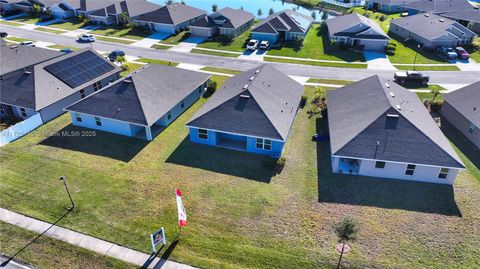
[49, 253]
[377, 17]
[28, 19]
[176, 39]
[316, 46]
[129, 68]
[220, 42]
[306, 62]
[405, 54]
[114, 40]
[474, 50]
[121, 31]
[241, 213]
[70, 25]
[160, 47]
[48, 30]
[18, 39]
[428, 68]
[330, 81]
[216, 53]
[155, 61]
[221, 70]
[63, 47]
[11, 23]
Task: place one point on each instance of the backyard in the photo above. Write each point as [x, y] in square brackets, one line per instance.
[241, 213]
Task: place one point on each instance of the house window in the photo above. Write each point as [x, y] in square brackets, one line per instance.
[78, 118]
[410, 169]
[98, 121]
[202, 134]
[443, 173]
[169, 115]
[24, 113]
[199, 89]
[264, 144]
[182, 105]
[82, 93]
[471, 128]
[97, 86]
[379, 164]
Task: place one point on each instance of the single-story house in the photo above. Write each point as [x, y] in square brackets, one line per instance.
[9, 4]
[13, 58]
[254, 112]
[112, 14]
[380, 129]
[283, 26]
[142, 104]
[436, 6]
[462, 109]
[432, 30]
[227, 21]
[387, 6]
[46, 88]
[469, 18]
[170, 18]
[357, 31]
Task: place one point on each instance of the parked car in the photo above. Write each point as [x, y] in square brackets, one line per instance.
[448, 53]
[112, 56]
[264, 45]
[87, 38]
[10, 12]
[3, 34]
[411, 76]
[462, 53]
[252, 44]
[46, 18]
[27, 43]
[66, 50]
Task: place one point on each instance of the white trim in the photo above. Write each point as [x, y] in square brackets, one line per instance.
[387, 161]
[213, 130]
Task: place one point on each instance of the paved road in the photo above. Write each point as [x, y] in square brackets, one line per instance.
[13, 264]
[239, 64]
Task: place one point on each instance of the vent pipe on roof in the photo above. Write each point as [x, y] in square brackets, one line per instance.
[127, 80]
[252, 78]
[392, 95]
[246, 86]
[26, 72]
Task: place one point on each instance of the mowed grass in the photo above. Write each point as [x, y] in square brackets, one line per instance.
[316, 63]
[405, 53]
[176, 39]
[474, 51]
[18, 39]
[59, 47]
[120, 31]
[219, 42]
[114, 40]
[70, 25]
[428, 68]
[28, 19]
[330, 81]
[215, 53]
[316, 46]
[11, 23]
[48, 30]
[221, 70]
[241, 213]
[160, 47]
[155, 61]
[48, 253]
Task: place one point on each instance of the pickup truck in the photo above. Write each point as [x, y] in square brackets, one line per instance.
[411, 76]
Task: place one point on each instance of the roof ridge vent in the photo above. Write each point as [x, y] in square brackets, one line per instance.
[426, 15]
[244, 96]
[128, 80]
[388, 85]
[251, 78]
[399, 107]
[246, 86]
[392, 94]
[26, 72]
[392, 116]
[258, 71]
[441, 20]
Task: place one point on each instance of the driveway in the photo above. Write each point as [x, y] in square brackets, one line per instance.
[377, 61]
[468, 65]
[256, 55]
[151, 40]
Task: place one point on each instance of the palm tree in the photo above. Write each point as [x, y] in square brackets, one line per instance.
[123, 18]
[436, 92]
[346, 230]
[259, 13]
[271, 11]
[214, 8]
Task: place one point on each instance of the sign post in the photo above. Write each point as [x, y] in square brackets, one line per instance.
[158, 238]
[182, 213]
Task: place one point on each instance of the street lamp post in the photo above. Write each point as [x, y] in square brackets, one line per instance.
[419, 46]
[64, 179]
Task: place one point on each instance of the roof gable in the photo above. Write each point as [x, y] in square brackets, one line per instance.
[466, 101]
[18, 89]
[286, 20]
[172, 14]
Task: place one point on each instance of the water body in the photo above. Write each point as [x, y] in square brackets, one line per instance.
[251, 6]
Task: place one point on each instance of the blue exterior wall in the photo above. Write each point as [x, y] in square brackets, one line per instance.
[108, 125]
[295, 36]
[272, 38]
[213, 139]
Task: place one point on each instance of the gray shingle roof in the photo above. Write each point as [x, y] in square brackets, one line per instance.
[17, 57]
[429, 26]
[393, 2]
[341, 26]
[469, 14]
[286, 20]
[149, 94]
[466, 101]
[438, 6]
[39, 88]
[172, 14]
[369, 111]
[236, 17]
[264, 106]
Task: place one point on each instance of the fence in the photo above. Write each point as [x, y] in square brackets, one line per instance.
[20, 129]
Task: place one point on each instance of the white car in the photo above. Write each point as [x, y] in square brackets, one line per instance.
[264, 45]
[87, 38]
[252, 44]
[27, 43]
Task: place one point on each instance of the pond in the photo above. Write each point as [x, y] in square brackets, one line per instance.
[251, 6]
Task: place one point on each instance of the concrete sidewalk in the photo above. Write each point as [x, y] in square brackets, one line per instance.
[88, 242]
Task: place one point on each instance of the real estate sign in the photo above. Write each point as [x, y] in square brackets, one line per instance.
[182, 214]
[158, 238]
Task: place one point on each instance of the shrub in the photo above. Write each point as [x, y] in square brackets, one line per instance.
[303, 101]
[211, 88]
[281, 162]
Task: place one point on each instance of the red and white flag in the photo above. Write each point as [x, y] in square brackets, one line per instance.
[182, 214]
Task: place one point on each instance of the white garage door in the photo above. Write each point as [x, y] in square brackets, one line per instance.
[204, 32]
[377, 45]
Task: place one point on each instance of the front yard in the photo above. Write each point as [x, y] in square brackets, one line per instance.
[71, 25]
[316, 46]
[122, 32]
[219, 42]
[241, 213]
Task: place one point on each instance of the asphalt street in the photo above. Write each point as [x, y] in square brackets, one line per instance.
[437, 77]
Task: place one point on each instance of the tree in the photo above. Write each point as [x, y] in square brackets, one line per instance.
[37, 9]
[436, 92]
[346, 231]
[123, 18]
[318, 101]
[214, 8]
[324, 16]
[182, 2]
[121, 59]
[271, 11]
[169, 2]
[314, 15]
[259, 13]
[241, 8]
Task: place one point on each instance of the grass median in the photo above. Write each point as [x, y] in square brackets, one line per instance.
[316, 63]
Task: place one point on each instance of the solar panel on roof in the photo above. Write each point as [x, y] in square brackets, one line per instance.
[79, 69]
